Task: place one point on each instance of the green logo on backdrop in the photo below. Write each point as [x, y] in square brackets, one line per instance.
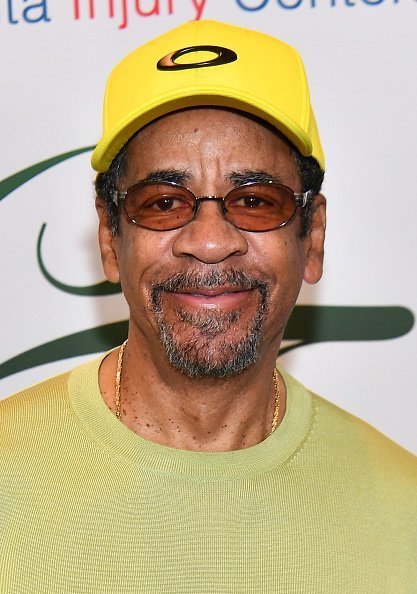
[308, 323]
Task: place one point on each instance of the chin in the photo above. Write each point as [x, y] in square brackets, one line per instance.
[213, 351]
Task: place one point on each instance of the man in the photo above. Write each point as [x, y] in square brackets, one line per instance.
[184, 461]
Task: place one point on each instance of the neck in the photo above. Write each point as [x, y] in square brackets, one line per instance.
[200, 414]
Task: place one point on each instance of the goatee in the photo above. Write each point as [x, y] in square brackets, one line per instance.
[196, 343]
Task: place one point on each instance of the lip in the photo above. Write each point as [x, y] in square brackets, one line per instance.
[213, 298]
[212, 291]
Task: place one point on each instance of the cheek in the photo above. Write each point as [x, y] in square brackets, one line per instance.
[282, 261]
[141, 253]
[136, 254]
[281, 255]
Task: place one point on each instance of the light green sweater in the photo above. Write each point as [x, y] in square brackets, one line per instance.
[326, 504]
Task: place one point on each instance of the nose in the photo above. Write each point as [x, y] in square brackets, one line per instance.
[209, 237]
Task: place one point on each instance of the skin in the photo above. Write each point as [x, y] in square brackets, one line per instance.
[170, 408]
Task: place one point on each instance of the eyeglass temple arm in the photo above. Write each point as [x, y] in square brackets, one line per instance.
[117, 195]
[301, 198]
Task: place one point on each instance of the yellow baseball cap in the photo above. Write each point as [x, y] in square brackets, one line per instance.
[208, 63]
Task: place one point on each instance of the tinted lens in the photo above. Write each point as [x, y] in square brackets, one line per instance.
[159, 206]
[260, 207]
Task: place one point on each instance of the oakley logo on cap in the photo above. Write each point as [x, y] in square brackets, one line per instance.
[224, 56]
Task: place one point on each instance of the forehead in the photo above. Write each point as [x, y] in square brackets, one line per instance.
[210, 141]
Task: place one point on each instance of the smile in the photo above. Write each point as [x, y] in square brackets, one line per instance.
[213, 298]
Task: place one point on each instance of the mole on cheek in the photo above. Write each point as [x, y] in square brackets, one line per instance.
[195, 130]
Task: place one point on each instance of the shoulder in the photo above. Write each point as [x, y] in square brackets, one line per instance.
[339, 440]
[35, 396]
[25, 415]
[357, 435]
[43, 407]
[52, 389]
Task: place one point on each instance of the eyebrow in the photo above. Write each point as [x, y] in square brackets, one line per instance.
[177, 176]
[238, 178]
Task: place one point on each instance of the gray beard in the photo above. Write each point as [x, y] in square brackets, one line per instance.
[195, 355]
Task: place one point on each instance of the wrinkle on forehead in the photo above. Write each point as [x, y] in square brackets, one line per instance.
[211, 145]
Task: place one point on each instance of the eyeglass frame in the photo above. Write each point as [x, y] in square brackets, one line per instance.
[119, 196]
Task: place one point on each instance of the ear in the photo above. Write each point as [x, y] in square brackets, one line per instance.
[108, 244]
[313, 269]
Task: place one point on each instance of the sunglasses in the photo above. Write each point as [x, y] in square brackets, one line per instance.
[250, 207]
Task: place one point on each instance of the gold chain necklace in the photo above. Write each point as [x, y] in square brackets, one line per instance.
[118, 378]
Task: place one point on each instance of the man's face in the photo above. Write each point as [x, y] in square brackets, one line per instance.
[209, 298]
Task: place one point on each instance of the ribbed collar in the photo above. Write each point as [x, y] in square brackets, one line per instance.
[120, 441]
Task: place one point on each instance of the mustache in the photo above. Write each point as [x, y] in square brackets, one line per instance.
[187, 280]
[213, 278]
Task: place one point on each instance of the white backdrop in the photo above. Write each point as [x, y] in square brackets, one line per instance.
[360, 56]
